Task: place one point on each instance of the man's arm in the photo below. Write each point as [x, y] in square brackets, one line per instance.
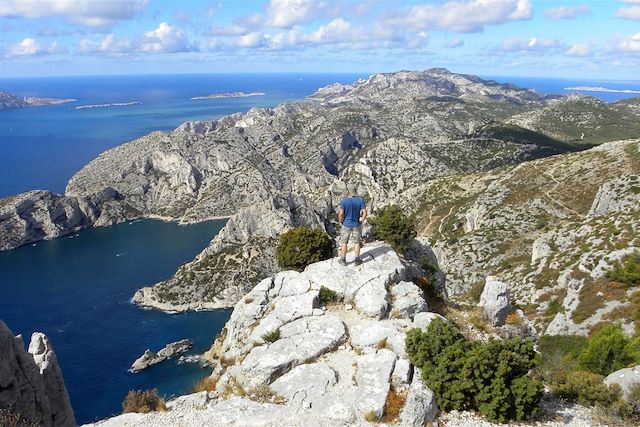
[363, 215]
[340, 215]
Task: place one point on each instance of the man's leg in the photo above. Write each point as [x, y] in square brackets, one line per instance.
[344, 239]
[357, 235]
[343, 251]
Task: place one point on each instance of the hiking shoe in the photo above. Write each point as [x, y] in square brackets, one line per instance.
[342, 261]
[358, 261]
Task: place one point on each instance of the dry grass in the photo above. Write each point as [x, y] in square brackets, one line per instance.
[594, 295]
[205, 384]
[371, 417]
[143, 402]
[394, 404]
[382, 344]
[10, 419]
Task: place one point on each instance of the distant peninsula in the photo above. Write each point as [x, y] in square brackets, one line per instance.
[114, 104]
[228, 95]
[9, 101]
[601, 89]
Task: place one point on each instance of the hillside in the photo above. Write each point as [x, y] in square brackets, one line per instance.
[273, 168]
[550, 228]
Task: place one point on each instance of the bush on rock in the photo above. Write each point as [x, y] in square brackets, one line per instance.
[143, 402]
[489, 377]
[302, 246]
[393, 226]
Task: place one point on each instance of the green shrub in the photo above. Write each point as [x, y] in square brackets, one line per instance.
[327, 295]
[491, 377]
[559, 354]
[393, 226]
[627, 271]
[143, 402]
[302, 246]
[609, 350]
[585, 388]
[272, 336]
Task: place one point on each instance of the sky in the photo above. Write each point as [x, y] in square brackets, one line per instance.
[597, 39]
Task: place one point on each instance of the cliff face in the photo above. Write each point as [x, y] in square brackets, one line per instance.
[274, 168]
[37, 215]
[324, 364]
[31, 384]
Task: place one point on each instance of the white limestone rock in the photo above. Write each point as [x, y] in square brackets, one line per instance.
[304, 385]
[424, 319]
[407, 300]
[420, 406]
[495, 301]
[31, 383]
[150, 358]
[371, 300]
[369, 335]
[300, 341]
[402, 374]
[626, 378]
[373, 379]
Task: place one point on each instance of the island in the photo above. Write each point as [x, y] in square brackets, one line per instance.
[600, 89]
[114, 104]
[228, 95]
[10, 101]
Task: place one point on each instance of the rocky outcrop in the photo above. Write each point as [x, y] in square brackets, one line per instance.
[495, 302]
[9, 100]
[626, 378]
[37, 215]
[551, 228]
[150, 358]
[328, 364]
[31, 384]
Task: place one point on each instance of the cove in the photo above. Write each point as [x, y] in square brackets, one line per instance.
[77, 290]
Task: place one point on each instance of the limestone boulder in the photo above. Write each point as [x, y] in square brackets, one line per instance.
[626, 378]
[495, 301]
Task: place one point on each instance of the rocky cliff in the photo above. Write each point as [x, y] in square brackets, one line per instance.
[274, 168]
[550, 228]
[37, 215]
[31, 386]
[285, 354]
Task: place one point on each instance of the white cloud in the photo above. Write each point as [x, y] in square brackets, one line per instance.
[629, 44]
[287, 13]
[580, 50]
[252, 40]
[532, 45]
[567, 12]
[629, 12]
[109, 45]
[88, 13]
[453, 43]
[460, 16]
[165, 39]
[30, 47]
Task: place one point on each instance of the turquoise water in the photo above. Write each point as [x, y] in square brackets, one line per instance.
[77, 290]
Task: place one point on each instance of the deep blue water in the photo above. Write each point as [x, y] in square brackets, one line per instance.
[77, 290]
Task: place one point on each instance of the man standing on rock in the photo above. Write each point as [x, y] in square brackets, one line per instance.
[351, 215]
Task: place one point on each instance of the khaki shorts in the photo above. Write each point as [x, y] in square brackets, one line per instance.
[347, 232]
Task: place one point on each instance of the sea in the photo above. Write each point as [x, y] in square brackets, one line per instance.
[77, 288]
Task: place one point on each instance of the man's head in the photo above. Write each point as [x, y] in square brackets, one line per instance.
[352, 189]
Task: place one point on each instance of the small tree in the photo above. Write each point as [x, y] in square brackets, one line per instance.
[393, 226]
[609, 350]
[302, 246]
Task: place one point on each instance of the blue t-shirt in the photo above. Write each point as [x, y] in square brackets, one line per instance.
[352, 207]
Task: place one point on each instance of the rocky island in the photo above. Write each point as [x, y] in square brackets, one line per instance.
[8, 100]
[228, 95]
[150, 358]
